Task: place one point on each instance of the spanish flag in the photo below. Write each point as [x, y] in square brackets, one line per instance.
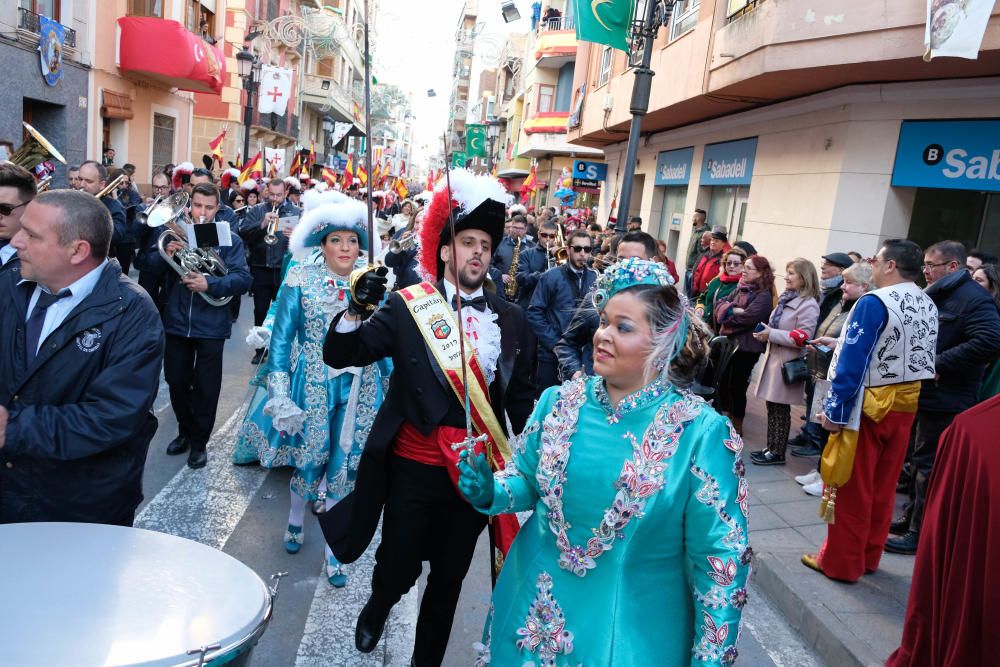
[530, 184]
[400, 188]
[357, 112]
[362, 175]
[215, 145]
[296, 164]
[252, 170]
[348, 173]
[329, 175]
[312, 157]
[378, 174]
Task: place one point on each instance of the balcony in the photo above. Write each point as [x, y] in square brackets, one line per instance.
[555, 48]
[327, 96]
[549, 122]
[557, 24]
[29, 27]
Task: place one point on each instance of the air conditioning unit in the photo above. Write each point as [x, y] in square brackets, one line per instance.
[607, 103]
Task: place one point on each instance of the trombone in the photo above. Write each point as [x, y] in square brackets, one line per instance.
[110, 187]
[558, 255]
[272, 227]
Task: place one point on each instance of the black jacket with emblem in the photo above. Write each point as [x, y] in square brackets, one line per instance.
[420, 395]
[80, 421]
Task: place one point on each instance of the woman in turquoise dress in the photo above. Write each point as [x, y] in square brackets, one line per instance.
[315, 419]
[637, 552]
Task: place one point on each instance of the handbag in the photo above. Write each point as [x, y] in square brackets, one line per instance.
[794, 371]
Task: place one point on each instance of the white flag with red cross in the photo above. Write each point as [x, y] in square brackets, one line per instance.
[275, 89]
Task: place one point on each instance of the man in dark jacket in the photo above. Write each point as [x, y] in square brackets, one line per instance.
[196, 330]
[79, 368]
[555, 301]
[17, 189]
[968, 340]
[266, 258]
[93, 179]
[535, 259]
[574, 350]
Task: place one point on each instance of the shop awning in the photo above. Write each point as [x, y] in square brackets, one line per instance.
[512, 173]
[166, 52]
[116, 105]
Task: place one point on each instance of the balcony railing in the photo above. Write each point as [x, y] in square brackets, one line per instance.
[29, 21]
[560, 23]
[740, 8]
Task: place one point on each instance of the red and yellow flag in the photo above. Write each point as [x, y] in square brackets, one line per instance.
[348, 173]
[329, 175]
[215, 145]
[378, 174]
[311, 162]
[252, 170]
[296, 166]
[400, 188]
[362, 175]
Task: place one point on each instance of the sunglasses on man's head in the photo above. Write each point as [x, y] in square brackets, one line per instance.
[7, 209]
[581, 248]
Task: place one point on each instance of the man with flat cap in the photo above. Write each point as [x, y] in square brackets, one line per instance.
[709, 263]
[408, 469]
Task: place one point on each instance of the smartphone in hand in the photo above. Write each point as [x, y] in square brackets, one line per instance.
[759, 328]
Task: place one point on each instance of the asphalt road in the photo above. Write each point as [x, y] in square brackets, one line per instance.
[243, 510]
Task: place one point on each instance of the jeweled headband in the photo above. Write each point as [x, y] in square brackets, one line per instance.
[629, 273]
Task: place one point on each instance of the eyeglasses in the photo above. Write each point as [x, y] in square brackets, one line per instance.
[546, 236]
[161, 188]
[734, 263]
[7, 209]
[927, 266]
[581, 248]
[238, 201]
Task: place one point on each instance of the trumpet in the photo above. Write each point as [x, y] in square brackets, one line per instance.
[186, 259]
[558, 255]
[272, 228]
[143, 216]
[43, 185]
[110, 187]
[406, 241]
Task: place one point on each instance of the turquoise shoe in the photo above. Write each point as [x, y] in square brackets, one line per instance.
[334, 574]
[293, 539]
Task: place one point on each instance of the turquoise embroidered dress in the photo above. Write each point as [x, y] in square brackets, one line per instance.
[316, 419]
[637, 551]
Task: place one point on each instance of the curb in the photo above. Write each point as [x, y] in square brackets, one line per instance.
[818, 627]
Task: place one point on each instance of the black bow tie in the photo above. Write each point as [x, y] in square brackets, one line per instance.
[479, 303]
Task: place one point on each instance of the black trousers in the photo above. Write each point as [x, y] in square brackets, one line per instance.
[930, 425]
[265, 289]
[193, 370]
[546, 374]
[153, 284]
[734, 384]
[425, 518]
[125, 253]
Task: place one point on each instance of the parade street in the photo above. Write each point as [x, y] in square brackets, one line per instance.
[237, 509]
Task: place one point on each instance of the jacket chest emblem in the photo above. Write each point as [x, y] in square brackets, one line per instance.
[89, 340]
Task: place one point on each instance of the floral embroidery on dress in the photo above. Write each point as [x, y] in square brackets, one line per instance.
[544, 630]
[630, 403]
[639, 479]
[713, 638]
[708, 494]
[734, 443]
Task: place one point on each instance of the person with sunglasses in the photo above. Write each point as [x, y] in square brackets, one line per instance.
[554, 302]
[533, 262]
[721, 286]
[17, 188]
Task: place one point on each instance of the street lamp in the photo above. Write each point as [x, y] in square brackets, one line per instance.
[248, 67]
[509, 11]
[492, 132]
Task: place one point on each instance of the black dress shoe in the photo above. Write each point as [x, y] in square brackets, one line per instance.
[808, 449]
[178, 445]
[197, 459]
[257, 356]
[766, 458]
[798, 441]
[369, 629]
[900, 526]
[904, 544]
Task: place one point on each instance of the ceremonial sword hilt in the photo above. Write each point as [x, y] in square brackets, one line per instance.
[469, 444]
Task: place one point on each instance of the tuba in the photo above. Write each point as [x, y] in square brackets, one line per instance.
[35, 150]
[165, 212]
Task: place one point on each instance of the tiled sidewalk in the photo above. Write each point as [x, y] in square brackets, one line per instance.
[845, 624]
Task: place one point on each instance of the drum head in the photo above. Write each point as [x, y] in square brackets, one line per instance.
[85, 594]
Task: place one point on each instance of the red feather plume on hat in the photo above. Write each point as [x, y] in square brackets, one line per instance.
[180, 171]
[431, 227]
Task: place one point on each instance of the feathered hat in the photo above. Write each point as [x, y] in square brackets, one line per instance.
[326, 212]
[517, 209]
[227, 177]
[294, 184]
[181, 175]
[478, 202]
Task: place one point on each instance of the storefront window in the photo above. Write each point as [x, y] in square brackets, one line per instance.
[989, 239]
[956, 215]
[727, 209]
[674, 199]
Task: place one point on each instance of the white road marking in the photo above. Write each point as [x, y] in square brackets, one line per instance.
[773, 633]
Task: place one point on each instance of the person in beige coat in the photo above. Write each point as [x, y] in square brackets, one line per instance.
[792, 323]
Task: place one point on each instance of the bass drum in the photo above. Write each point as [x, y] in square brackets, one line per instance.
[87, 595]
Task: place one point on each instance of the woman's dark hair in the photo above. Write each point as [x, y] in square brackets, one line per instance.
[992, 272]
[232, 198]
[766, 279]
[678, 351]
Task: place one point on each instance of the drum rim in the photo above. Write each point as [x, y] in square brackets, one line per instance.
[251, 637]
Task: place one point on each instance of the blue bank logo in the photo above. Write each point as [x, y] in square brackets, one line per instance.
[955, 155]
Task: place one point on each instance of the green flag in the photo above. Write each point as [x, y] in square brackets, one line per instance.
[475, 140]
[605, 22]
[458, 160]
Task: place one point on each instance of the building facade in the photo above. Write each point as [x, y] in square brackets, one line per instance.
[801, 130]
[59, 112]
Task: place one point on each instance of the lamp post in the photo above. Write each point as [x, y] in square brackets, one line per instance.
[249, 71]
[492, 132]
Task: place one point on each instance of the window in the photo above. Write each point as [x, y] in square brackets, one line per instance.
[564, 88]
[324, 67]
[604, 73]
[152, 8]
[46, 8]
[685, 17]
[545, 98]
[163, 141]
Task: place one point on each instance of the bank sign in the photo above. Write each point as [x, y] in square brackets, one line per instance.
[949, 154]
[674, 167]
[729, 163]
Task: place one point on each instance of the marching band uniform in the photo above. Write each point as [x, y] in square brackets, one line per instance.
[315, 419]
[196, 334]
[407, 466]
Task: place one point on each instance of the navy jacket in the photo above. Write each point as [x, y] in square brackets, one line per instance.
[553, 305]
[184, 312]
[505, 252]
[262, 254]
[120, 230]
[575, 349]
[968, 340]
[80, 420]
[533, 262]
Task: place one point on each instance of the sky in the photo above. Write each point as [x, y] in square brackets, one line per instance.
[415, 50]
